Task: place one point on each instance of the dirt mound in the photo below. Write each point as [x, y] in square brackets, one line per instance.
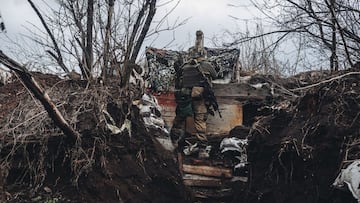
[296, 148]
[39, 165]
[296, 153]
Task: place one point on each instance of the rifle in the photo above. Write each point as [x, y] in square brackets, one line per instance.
[209, 96]
[210, 99]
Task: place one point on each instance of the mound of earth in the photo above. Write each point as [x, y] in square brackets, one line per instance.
[299, 140]
[295, 153]
[38, 164]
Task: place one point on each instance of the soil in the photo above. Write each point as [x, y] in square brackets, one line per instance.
[294, 153]
[42, 167]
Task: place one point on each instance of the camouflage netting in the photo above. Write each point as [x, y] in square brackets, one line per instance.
[162, 65]
[223, 60]
[116, 159]
[296, 153]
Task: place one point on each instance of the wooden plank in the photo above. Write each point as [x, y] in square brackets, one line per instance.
[203, 181]
[188, 176]
[240, 178]
[230, 107]
[206, 162]
[194, 161]
[211, 193]
[240, 90]
[208, 171]
[232, 115]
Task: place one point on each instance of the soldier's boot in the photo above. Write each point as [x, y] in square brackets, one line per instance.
[204, 152]
[177, 136]
[204, 147]
[201, 137]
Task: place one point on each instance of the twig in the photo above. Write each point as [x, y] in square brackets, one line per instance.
[326, 81]
[284, 90]
[356, 117]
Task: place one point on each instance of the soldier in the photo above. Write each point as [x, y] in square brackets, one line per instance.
[191, 82]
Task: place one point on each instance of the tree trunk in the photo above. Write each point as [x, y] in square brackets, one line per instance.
[144, 31]
[106, 70]
[31, 84]
[134, 48]
[89, 37]
[334, 65]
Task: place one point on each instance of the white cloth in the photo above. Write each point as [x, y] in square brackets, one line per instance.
[351, 177]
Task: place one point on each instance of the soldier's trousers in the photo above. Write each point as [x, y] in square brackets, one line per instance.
[178, 129]
[200, 117]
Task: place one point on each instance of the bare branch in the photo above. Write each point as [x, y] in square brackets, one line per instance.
[139, 42]
[58, 58]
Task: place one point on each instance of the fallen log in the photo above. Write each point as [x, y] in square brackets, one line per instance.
[34, 87]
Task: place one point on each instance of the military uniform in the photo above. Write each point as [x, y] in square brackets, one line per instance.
[189, 94]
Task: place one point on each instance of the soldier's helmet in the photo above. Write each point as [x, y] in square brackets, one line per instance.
[198, 52]
[199, 34]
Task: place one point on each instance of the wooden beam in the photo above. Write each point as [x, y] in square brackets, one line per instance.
[208, 171]
[212, 193]
[203, 181]
[240, 178]
[240, 90]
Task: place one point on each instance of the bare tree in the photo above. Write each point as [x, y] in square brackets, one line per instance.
[58, 56]
[257, 50]
[330, 27]
[109, 43]
[103, 37]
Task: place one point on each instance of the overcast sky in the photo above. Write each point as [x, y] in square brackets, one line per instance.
[213, 17]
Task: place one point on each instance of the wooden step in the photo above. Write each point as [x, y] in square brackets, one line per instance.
[211, 171]
[213, 194]
[203, 181]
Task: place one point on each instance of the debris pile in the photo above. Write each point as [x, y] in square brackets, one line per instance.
[212, 179]
[298, 134]
[296, 153]
[296, 143]
[117, 158]
[300, 131]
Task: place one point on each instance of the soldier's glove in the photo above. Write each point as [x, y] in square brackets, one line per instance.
[209, 109]
[211, 112]
[193, 62]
